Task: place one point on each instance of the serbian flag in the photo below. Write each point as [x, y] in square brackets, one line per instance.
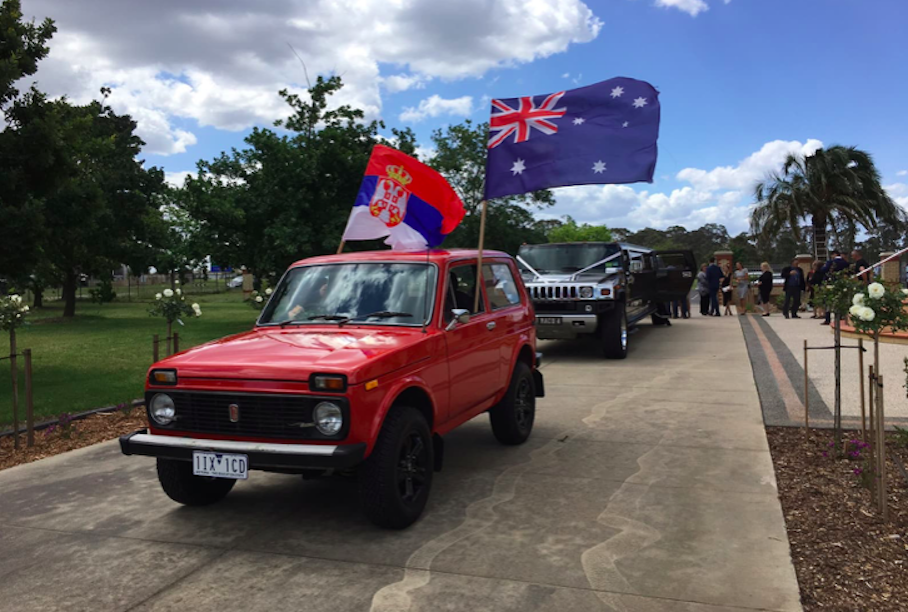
[403, 200]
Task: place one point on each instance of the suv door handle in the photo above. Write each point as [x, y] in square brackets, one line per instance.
[490, 325]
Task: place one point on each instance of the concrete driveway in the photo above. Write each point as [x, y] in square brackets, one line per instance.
[647, 486]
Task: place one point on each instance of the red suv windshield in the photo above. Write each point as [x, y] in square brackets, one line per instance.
[364, 292]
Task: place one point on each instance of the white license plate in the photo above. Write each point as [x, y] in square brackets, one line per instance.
[220, 465]
[549, 320]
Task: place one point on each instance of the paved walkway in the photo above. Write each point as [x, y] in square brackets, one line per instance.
[776, 347]
[647, 486]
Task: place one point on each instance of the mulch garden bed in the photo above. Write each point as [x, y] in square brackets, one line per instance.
[83, 432]
[845, 556]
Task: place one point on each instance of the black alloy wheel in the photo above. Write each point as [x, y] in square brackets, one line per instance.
[512, 418]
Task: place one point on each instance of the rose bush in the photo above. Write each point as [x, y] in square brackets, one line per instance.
[12, 312]
[171, 304]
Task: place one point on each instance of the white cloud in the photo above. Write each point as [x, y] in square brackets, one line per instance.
[721, 195]
[436, 106]
[902, 173]
[221, 65]
[176, 179]
[403, 82]
[750, 170]
[899, 193]
[691, 7]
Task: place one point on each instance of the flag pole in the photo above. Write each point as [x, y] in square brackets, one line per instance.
[340, 249]
[482, 236]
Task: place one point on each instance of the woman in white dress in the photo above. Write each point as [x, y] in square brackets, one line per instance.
[742, 281]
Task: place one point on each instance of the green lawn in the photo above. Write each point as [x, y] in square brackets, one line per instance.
[100, 357]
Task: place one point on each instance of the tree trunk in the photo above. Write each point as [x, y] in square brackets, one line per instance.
[69, 293]
[38, 291]
[819, 237]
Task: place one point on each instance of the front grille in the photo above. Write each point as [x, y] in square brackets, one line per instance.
[260, 415]
[553, 292]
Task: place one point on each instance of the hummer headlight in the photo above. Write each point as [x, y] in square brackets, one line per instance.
[586, 293]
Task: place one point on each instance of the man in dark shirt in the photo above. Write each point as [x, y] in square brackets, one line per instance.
[793, 283]
[714, 279]
[834, 265]
[860, 264]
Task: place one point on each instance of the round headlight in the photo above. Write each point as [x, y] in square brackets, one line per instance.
[162, 409]
[328, 418]
[586, 292]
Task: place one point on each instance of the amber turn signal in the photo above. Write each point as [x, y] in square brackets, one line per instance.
[163, 377]
[328, 382]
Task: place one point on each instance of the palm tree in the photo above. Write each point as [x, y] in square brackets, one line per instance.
[838, 187]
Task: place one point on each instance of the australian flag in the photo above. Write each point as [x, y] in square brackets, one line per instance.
[602, 133]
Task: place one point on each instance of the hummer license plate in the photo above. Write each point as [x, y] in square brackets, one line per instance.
[220, 465]
[549, 320]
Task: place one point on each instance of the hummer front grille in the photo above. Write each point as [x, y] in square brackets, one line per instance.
[554, 292]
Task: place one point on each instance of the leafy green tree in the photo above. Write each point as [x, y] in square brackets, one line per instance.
[95, 195]
[22, 46]
[461, 158]
[838, 187]
[285, 196]
[570, 231]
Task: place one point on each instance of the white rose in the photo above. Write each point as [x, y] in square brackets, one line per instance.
[197, 310]
[876, 290]
[25, 309]
[867, 314]
[158, 296]
[858, 299]
[259, 299]
[855, 310]
[176, 282]
[268, 291]
[168, 293]
[178, 291]
[15, 299]
[904, 291]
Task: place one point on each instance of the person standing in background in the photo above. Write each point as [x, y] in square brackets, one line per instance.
[833, 266]
[815, 280]
[714, 280]
[703, 290]
[742, 282]
[793, 282]
[859, 265]
[726, 289]
[765, 285]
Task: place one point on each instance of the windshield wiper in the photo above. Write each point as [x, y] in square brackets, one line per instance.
[340, 319]
[284, 324]
[385, 314]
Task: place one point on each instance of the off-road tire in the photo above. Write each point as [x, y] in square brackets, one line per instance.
[613, 333]
[512, 418]
[383, 476]
[184, 487]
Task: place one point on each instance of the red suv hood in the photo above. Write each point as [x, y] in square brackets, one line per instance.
[293, 354]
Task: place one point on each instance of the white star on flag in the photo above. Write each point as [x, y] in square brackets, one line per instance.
[579, 120]
[625, 124]
[616, 93]
[639, 102]
[518, 167]
[599, 167]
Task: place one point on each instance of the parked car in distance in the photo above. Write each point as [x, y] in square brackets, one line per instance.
[359, 362]
[602, 289]
[235, 282]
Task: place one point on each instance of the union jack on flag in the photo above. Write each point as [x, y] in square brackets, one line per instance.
[518, 121]
[603, 133]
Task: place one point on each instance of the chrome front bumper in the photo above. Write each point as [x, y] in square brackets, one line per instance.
[571, 326]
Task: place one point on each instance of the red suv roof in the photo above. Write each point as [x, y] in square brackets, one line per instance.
[436, 256]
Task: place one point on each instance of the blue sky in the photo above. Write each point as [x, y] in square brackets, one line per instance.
[742, 82]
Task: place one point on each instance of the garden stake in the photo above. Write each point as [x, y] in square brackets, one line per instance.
[881, 445]
[872, 433]
[861, 380]
[169, 338]
[155, 343]
[14, 373]
[806, 395]
[29, 401]
[176, 342]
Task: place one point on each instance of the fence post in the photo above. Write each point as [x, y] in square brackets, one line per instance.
[14, 374]
[861, 380]
[806, 393]
[155, 343]
[176, 342]
[881, 454]
[29, 401]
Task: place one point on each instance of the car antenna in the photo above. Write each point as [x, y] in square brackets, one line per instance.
[425, 297]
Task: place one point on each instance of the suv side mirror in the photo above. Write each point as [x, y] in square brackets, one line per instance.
[461, 315]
